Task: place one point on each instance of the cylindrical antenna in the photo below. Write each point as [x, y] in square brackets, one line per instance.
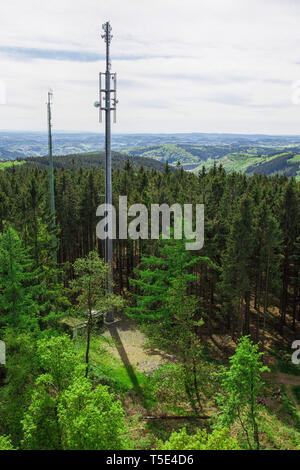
[51, 176]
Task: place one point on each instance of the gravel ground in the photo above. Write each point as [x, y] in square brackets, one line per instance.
[134, 343]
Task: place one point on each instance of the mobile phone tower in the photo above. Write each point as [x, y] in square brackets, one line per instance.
[108, 103]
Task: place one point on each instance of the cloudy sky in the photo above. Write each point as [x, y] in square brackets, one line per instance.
[183, 66]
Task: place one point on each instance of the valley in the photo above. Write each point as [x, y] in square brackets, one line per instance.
[235, 152]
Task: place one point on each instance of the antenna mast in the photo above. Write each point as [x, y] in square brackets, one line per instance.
[108, 102]
[52, 201]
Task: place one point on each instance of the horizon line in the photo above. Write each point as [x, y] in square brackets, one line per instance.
[149, 133]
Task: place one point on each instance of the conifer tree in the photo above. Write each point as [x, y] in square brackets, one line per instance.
[18, 306]
[237, 267]
[289, 219]
[266, 259]
[155, 276]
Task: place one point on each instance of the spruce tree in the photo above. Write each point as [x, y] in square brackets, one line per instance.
[235, 286]
[18, 306]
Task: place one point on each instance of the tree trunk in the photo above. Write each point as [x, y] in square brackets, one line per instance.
[89, 331]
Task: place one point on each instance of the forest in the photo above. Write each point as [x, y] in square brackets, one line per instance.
[200, 356]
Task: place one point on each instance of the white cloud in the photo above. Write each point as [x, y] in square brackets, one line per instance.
[197, 65]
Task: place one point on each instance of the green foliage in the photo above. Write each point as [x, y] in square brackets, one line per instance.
[27, 359]
[285, 364]
[90, 160]
[60, 365]
[32, 295]
[155, 275]
[241, 385]
[183, 310]
[18, 307]
[168, 387]
[5, 443]
[90, 285]
[9, 164]
[58, 358]
[40, 424]
[296, 392]
[90, 419]
[251, 232]
[171, 312]
[236, 274]
[51, 296]
[105, 368]
[219, 439]
[239, 158]
[275, 434]
[22, 369]
[65, 410]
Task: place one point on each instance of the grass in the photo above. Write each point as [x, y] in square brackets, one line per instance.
[296, 393]
[287, 367]
[283, 360]
[276, 435]
[106, 368]
[238, 162]
[288, 411]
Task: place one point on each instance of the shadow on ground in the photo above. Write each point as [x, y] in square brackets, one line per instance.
[113, 330]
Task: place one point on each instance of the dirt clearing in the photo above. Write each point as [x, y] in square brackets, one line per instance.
[133, 341]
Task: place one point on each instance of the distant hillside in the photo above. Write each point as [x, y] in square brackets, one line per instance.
[191, 159]
[35, 144]
[236, 152]
[250, 158]
[93, 160]
[288, 164]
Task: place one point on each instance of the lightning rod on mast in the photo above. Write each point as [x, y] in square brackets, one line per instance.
[108, 102]
[51, 176]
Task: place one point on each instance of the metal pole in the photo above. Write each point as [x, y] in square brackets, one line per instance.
[51, 175]
[108, 186]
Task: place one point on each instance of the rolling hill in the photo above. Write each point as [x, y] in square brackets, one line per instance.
[92, 160]
[234, 157]
[236, 152]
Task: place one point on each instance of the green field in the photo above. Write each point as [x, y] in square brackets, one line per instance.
[234, 157]
[9, 164]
